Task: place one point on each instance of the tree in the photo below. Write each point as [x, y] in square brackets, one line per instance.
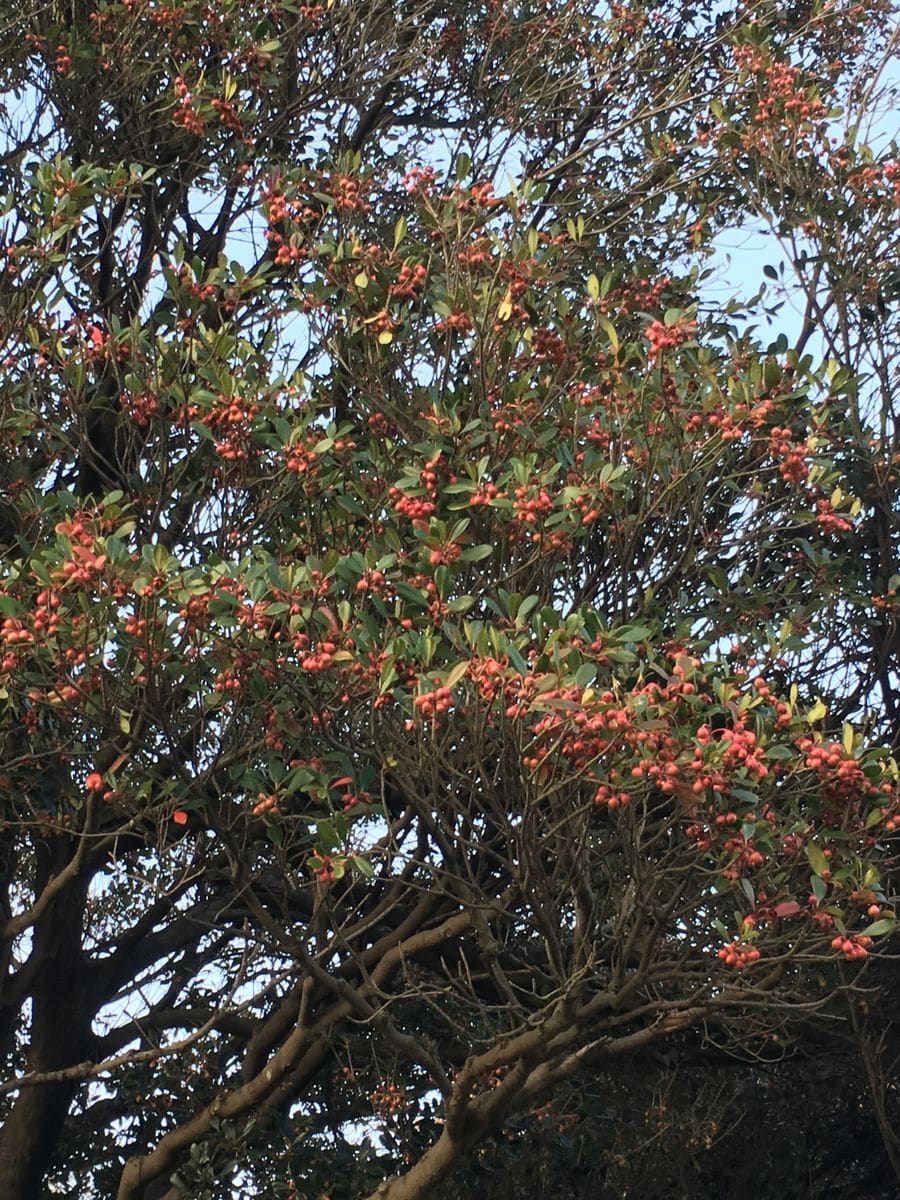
[425, 663]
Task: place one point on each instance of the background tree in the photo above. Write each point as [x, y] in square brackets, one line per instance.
[444, 653]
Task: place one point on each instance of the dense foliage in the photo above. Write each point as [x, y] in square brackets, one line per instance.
[447, 653]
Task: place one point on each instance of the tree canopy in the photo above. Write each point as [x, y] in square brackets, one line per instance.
[448, 634]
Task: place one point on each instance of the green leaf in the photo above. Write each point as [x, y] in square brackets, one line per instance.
[748, 797]
[779, 752]
[363, 865]
[586, 674]
[326, 836]
[880, 927]
[817, 860]
[516, 658]
[413, 595]
[476, 553]
[460, 604]
[632, 633]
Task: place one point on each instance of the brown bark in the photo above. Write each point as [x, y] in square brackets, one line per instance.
[60, 1030]
[431, 1168]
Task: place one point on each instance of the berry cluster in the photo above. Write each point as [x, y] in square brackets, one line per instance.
[185, 113]
[793, 466]
[431, 704]
[853, 947]
[83, 565]
[414, 507]
[738, 954]
[662, 337]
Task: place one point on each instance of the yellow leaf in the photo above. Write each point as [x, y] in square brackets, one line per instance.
[456, 673]
[609, 329]
[817, 713]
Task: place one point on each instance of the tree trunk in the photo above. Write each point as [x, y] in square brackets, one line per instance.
[60, 1030]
